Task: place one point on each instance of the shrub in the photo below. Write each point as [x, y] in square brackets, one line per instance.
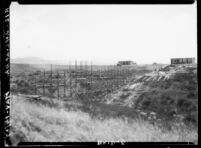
[125, 95]
[146, 103]
[180, 103]
[191, 118]
[125, 89]
[191, 95]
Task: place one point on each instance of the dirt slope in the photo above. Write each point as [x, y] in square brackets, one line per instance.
[169, 92]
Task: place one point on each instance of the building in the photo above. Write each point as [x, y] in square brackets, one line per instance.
[126, 63]
[183, 61]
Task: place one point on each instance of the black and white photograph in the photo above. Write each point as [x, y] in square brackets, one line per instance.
[103, 73]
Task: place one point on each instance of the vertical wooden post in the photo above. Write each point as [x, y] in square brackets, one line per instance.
[64, 83]
[70, 79]
[58, 84]
[76, 71]
[109, 80]
[117, 76]
[85, 75]
[127, 75]
[80, 74]
[120, 75]
[35, 86]
[106, 75]
[76, 76]
[44, 83]
[114, 77]
[80, 66]
[117, 81]
[91, 76]
[99, 79]
[86, 66]
[123, 71]
[99, 73]
[109, 77]
[51, 79]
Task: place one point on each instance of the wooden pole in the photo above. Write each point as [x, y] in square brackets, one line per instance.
[116, 68]
[44, 83]
[80, 66]
[114, 77]
[86, 66]
[64, 83]
[58, 83]
[91, 74]
[76, 76]
[106, 80]
[70, 79]
[127, 75]
[85, 74]
[76, 72]
[51, 79]
[35, 86]
[120, 75]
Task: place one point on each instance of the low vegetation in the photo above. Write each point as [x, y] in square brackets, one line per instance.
[153, 108]
[175, 96]
[55, 121]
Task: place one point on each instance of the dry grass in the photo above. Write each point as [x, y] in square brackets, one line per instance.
[44, 123]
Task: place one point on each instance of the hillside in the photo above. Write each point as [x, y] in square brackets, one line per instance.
[154, 106]
[53, 120]
[170, 92]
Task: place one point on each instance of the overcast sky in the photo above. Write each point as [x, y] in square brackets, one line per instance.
[103, 34]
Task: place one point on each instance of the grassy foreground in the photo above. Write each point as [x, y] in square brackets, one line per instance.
[45, 122]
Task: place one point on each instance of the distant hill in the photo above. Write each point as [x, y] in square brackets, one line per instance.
[30, 60]
[19, 68]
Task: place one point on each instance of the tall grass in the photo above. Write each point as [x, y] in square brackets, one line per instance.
[41, 122]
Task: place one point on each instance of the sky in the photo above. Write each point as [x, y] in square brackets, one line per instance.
[104, 34]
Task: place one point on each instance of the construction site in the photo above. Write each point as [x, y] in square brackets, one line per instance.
[164, 99]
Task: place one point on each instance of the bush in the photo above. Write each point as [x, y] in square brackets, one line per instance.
[191, 118]
[191, 95]
[180, 103]
[125, 95]
[146, 103]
